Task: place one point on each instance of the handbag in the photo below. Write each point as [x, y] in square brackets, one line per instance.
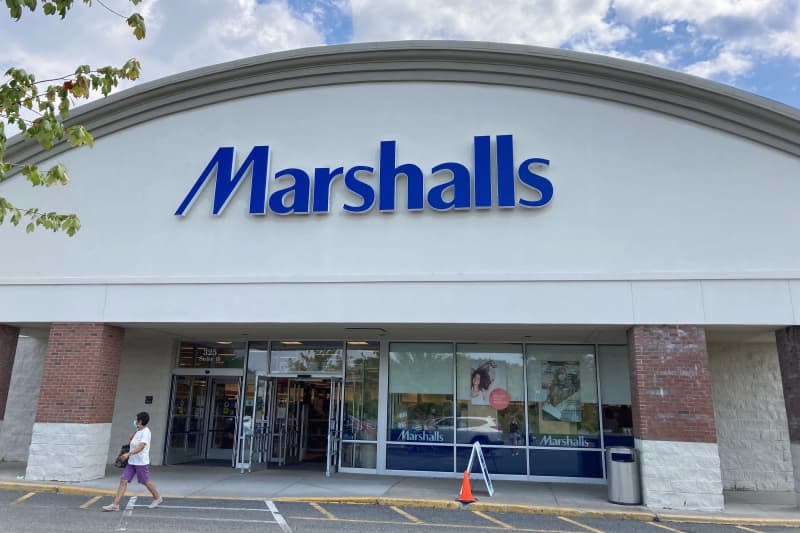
[120, 462]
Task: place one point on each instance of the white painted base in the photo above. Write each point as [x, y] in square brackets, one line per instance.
[68, 452]
[680, 475]
[795, 448]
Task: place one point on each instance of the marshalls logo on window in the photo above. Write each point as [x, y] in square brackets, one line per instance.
[295, 191]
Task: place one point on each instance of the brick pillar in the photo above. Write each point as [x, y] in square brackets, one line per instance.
[8, 347]
[673, 418]
[788, 341]
[72, 431]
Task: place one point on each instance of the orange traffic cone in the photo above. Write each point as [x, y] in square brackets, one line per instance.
[465, 496]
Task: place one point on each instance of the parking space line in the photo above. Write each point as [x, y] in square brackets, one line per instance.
[197, 508]
[23, 498]
[428, 524]
[584, 526]
[744, 528]
[662, 526]
[129, 507]
[405, 514]
[161, 516]
[327, 514]
[277, 516]
[493, 520]
[90, 502]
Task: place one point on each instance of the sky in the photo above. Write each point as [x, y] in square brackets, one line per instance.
[753, 45]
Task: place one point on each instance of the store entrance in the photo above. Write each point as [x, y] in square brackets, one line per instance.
[203, 419]
[291, 422]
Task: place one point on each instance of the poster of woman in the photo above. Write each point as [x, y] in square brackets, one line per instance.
[561, 384]
[487, 377]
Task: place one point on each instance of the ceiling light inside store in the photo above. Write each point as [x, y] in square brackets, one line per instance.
[357, 343]
[291, 343]
[224, 342]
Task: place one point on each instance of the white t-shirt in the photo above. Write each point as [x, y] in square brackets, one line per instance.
[143, 457]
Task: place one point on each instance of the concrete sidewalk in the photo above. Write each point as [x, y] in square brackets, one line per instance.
[305, 484]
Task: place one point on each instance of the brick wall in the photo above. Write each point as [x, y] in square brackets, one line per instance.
[788, 341]
[671, 384]
[8, 346]
[79, 381]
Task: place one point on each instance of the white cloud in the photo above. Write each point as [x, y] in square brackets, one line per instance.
[537, 22]
[726, 63]
[181, 35]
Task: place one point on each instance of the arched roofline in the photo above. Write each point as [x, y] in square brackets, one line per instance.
[672, 93]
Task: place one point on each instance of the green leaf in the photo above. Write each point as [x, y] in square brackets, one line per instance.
[79, 135]
[14, 9]
[136, 21]
[30, 227]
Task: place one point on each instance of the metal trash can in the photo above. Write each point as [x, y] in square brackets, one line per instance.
[624, 486]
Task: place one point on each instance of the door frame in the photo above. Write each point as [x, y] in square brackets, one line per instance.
[209, 414]
[209, 374]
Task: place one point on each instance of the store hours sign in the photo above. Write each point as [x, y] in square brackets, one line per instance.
[494, 180]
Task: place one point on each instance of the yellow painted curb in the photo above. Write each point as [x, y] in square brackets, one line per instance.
[643, 516]
[729, 521]
[28, 487]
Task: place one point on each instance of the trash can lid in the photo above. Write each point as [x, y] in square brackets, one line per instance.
[620, 449]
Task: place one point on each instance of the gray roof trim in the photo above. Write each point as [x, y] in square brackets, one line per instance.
[695, 99]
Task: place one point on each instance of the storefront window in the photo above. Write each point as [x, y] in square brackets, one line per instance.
[615, 391]
[360, 404]
[490, 391]
[312, 357]
[421, 392]
[211, 354]
[562, 396]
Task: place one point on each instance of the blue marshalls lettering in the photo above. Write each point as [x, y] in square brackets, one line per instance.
[491, 182]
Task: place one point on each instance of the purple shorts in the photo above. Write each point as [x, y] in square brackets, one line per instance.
[142, 473]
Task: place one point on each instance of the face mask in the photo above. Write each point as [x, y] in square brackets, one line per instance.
[134, 424]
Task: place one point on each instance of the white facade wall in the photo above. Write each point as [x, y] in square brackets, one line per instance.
[752, 430]
[586, 258]
[145, 370]
[680, 475]
[23, 395]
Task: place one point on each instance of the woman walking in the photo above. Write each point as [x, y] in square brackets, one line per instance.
[138, 463]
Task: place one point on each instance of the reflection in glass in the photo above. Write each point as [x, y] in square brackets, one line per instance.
[615, 391]
[562, 396]
[313, 357]
[498, 460]
[419, 457]
[420, 392]
[358, 455]
[361, 392]
[567, 463]
[490, 394]
[187, 415]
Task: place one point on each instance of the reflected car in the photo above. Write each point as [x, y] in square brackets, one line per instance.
[358, 429]
[471, 429]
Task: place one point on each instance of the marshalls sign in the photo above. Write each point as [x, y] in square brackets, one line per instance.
[296, 191]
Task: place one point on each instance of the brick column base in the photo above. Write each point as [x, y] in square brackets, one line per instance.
[72, 431]
[788, 341]
[673, 418]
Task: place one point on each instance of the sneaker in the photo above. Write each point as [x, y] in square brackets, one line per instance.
[111, 507]
[155, 503]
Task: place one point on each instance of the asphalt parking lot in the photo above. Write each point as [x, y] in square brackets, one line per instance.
[25, 512]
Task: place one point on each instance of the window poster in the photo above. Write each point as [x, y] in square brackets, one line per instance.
[489, 384]
[561, 386]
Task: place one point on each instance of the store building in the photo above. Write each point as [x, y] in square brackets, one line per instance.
[369, 257]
